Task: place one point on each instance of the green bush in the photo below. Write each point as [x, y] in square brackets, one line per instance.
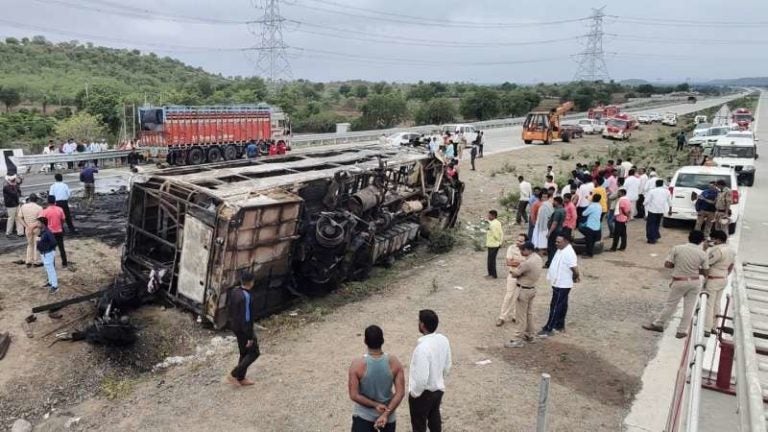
[442, 241]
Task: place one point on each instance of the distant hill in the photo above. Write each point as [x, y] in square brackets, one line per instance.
[59, 71]
[633, 82]
[749, 81]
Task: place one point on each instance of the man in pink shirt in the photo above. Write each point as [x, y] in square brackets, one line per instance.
[571, 215]
[621, 215]
[56, 218]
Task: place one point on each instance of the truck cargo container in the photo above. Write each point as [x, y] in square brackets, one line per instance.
[191, 135]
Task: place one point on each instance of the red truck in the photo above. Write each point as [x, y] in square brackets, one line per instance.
[192, 135]
[603, 112]
[741, 119]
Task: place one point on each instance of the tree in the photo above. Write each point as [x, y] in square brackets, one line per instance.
[436, 111]
[482, 104]
[103, 102]
[646, 90]
[383, 111]
[81, 127]
[381, 88]
[684, 87]
[345, 90]
[10, 97]
[361, 91]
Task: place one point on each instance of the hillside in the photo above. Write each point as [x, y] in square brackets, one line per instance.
[39, 68]
[747, 81]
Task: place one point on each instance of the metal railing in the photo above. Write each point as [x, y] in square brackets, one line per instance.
[61, 158]
[749, 392]
[699, 346]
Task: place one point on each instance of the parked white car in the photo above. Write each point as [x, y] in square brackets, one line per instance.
[707, 137]
[686, 185]
[402, 138]
[469, 131]
[644, 119]
[670, 119]
[655, 117]
[590, 126]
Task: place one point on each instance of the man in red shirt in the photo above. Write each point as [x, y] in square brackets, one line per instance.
[571, 215]
[55, 216]
[621, 215]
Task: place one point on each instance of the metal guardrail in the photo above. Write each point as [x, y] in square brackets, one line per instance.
[749, 392]
[696, 363]
[59, 158]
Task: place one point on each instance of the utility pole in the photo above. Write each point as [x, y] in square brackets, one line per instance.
[272, 62]
[591, 60]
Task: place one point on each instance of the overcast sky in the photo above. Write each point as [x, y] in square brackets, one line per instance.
[403, 40]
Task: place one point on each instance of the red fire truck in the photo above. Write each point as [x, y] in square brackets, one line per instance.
[741, 119]
[191, 135]
[603, 112]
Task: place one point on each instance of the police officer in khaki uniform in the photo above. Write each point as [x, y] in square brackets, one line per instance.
[527, 274]
[723, 207]
[514, 258]
[721, 260]
[688, 262]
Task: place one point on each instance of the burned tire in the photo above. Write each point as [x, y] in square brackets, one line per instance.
[214, 154]
[230, 152]
[196, 156]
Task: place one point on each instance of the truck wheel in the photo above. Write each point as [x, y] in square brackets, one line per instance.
[566, 137]
[214, 154]
[527, 141]
[195, 156]
[732, 228]
[230, 152]
[750, 180]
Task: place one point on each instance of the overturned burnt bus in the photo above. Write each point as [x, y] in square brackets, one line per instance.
[302, 223]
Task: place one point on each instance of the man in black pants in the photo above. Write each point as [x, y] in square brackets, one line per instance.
[430, 364]
[241, 316]
[621, 215]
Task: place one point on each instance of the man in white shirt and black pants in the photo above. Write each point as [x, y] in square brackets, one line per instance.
[562, 274]
[430, 364]
[522, 203]
[657, 202]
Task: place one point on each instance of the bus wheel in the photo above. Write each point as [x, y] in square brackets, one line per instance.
[195, 156]
[230, 152]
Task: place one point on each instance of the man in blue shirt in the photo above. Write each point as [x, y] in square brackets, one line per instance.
[60, 190]
[89, 183]
[240, 320]
[252, 150]
[591, 228]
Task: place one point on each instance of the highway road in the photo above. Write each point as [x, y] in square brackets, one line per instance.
[497, 141]
[510, 138]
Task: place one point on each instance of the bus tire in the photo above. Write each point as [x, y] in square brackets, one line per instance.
[195, 156]
[214, 154]
[230, 152]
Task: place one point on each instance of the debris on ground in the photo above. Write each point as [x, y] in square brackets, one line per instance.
[21, 425]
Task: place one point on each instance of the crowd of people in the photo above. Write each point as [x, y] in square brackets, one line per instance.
[43, 226]
[71, 146]
[594, 199]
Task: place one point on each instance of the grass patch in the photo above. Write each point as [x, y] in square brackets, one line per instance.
[114, 388]
[564, 156]
[442, 241]
[506, 168]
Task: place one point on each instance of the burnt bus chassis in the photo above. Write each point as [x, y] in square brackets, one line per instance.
[338, 212]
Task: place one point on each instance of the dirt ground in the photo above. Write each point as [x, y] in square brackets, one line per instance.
[301, 376]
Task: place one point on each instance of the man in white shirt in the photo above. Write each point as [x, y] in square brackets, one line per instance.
[563, 272]
[60, 191]
[632, 186]
[69, 148]
[585, 198]
[657, 203]
[643, 177]
[522, 204]
[550, 183]
[624, 167]
[430, 364]
[651, 183]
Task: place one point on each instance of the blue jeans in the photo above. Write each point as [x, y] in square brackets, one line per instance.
[50, 268]
[558, 308]
[611, 222]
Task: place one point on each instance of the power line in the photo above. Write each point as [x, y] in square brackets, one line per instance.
[431, 22]
[668, 22]
[688, 41]
[592, 59]
[273, 60]
[395, 40]
[141, 13]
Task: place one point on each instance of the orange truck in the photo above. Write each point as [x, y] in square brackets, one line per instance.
[545, 126]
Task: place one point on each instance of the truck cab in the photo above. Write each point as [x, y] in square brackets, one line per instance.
[741, 119]
[738, 152]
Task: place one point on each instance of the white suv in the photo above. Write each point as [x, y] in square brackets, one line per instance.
[590, 126]
[737, 151]
[469, 131]
[688, 182]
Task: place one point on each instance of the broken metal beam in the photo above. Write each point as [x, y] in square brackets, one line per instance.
[67, 302]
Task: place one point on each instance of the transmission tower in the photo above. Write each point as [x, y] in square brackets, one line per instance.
[272, 61]
[591, 59]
